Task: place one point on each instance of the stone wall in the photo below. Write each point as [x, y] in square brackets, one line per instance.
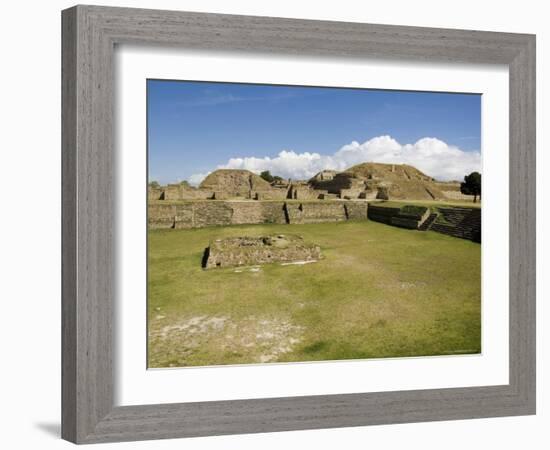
[258, 212]
[276, 193]
[234, 183]
[382, 214]
[458, 222]
[155, 193]
[451, 190]
[351, 193]
[161, 214]
[197, 214]
[304, 192]
[211, 213]
[315, 212]
[463, 223]
[339, 182]
[356, 210]
[411, 217]
[176, 192]
[457, 195]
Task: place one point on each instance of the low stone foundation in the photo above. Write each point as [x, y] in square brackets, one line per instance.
[249, 251]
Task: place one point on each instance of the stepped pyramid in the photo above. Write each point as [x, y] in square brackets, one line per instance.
[383, 181]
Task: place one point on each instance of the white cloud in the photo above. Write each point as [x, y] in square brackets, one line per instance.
[196, 178]
[287, 164]
[430, 155]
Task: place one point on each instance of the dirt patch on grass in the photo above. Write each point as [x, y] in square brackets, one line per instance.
[227, 341]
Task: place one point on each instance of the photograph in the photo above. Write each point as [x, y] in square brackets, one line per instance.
[275, 225]
[297, 224]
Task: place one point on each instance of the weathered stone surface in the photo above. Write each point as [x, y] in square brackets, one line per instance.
[405, 222]
[161, 214]
[205, 213]
[463, 223]
[451, 190]
[183, 191]
[248, 251]
[234, 183]
[155, 193]
[409, 216]
[362, 181]
[324, 175]
[275, 193]
[381, 181]
[316, 212]
[302, 191]
[356, 210]
[460, 222]
[382, 214]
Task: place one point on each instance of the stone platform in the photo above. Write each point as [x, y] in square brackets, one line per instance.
[249, 251]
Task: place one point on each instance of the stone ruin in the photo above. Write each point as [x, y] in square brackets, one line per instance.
[249, 251]
[413, 217]
[366, 181]
[458, 222]
[379, 181]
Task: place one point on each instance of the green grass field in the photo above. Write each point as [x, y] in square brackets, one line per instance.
[379, 291]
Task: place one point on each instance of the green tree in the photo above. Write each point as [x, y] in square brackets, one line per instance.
[472, 185]
[266, 175]
[154, 184]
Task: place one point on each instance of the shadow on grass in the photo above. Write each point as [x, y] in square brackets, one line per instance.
[316, 347]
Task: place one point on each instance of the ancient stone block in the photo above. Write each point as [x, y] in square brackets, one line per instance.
[351, 192]
[302, 192]
[464, 223]
[161, 215]
[386, 181]
[248, 251]
[211, 213]
[382, 214]
[356, 210]
[155, 193]
[233, 183]
[315, 212]
[404, 222]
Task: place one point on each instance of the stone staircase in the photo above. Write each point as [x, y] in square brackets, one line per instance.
[463, 223]
[408, 216]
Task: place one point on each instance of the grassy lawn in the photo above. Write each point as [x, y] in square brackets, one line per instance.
[379, 291]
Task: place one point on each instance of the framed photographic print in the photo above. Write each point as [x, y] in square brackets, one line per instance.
[279, 224]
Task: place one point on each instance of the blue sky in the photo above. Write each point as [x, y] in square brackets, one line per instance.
[195, 127]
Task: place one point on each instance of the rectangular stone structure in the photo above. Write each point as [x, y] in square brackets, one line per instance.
[250, 251]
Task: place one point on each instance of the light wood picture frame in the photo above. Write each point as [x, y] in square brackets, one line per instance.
[89, 36]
